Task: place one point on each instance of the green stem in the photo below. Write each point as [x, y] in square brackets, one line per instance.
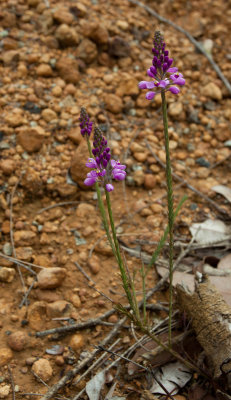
[170, 210]
[101, 208]
[143, 276]
[164, 236]
[119, 258]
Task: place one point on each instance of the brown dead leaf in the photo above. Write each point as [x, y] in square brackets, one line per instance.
[225, 262]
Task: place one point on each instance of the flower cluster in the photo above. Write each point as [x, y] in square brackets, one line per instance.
[104, 168]
[161, 66]
[85, 124]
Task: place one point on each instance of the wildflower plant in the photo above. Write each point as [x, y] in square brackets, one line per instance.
[164, 78]
[104, 171]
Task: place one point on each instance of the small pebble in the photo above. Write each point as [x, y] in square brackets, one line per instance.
[77, 342]
[43, 369]
[4, 391]
[17, 341]
[94, 264]
[6, 356]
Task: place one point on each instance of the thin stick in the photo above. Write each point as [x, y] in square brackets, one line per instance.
[72, 328]
[71, 373]
[91, 280]
[21, 263]
[64, 203]
[192, 188]
[190, 37]
[27, 294]
[12, 382]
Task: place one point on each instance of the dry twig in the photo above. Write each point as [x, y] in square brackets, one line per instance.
[64, 203]
[72, 328]
[12, 382]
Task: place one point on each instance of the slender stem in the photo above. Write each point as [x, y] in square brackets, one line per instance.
[170, 210]
[164, 236]
[101, 208]
[143, 276]
[119, 258]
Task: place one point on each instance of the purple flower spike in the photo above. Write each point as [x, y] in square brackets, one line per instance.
[103, 171]
[85, 123]
[163, 75]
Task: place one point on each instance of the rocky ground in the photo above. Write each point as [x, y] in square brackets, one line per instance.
[56, 57]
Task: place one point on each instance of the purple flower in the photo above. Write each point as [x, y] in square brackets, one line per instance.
[85, 124]
[104, 168]
[161, 67]
[109, 187]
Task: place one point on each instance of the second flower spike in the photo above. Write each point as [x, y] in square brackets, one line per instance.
[104, 169]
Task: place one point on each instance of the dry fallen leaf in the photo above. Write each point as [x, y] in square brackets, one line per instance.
[224, 190]
[210, 231]
[173, 376]
[94, 386]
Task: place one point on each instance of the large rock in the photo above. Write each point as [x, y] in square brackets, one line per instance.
[66, 35]
[51, 278]
[68, 69]
[78, 170]
[31, 139]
